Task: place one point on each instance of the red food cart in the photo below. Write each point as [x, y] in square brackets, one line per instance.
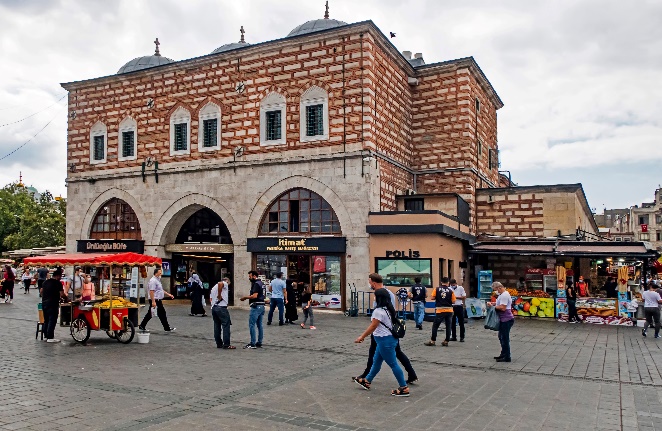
[116, 316]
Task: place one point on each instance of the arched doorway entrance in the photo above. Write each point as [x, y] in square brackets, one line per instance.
[202, 245]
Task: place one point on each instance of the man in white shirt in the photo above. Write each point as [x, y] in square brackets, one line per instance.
[220, 314]
[156, 295]
[458, 310]
[652, 301]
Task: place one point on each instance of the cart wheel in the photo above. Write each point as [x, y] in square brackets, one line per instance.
[80, 330]
[111, 334]
[125, 336]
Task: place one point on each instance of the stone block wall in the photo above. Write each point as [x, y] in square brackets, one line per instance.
[511, 214]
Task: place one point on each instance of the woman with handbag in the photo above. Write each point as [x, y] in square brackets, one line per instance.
[503, 307]
[8, 281]
[381, 324]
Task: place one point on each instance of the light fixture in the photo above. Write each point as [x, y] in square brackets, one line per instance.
[621, 260]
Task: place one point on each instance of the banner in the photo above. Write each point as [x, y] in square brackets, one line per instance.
[475, 307]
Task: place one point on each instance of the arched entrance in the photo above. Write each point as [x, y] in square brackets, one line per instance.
[115, 220]
[203, 244]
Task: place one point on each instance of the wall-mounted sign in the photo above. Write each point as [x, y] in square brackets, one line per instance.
[199, 248]
[297, 245]
[110, 246]
[403, 253]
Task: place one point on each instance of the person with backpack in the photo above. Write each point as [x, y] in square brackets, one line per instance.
[444, 298]
[382, 322]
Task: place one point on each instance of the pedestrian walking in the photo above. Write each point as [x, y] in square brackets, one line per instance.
[278, 298]
[458, 310]
[52, 293]
[381, 323]
[444, 298]
[652, 301]
[377, 283]
[291, 315]
[42, 275]
[418, 294]
[504, 308]
[571, 297]
[26, 278]
[8, 281]
[197, 296]
[307, 309]
[156, 295]
[256, 301]
[220, 314]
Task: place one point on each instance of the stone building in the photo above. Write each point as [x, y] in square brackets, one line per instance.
[646, 221]
[273, 155]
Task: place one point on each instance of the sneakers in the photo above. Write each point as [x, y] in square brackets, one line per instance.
[643, 332]
[312, 327]
[658, 336]
[420, 327]
[171, 330]
[461, 340]
[412, 381]
[52, 340]
[249, 346]
[9, 301]
[141, 328]
[258, 345]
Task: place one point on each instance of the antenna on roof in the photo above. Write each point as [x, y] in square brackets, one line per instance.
[157, 43]
[326, 12]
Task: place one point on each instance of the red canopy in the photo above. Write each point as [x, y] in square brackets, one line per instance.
[92, 259]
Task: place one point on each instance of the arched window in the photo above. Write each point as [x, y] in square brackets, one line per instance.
[116, 220]
[209, 126]
[180, 132]
[272, 119]
[128, 139]
[300, 211]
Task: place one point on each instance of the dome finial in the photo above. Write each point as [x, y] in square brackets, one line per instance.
[241, 30]
[157, 43]
[326, 12]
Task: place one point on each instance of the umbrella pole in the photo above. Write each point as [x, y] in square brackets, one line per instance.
[110, 313]
[138, 293]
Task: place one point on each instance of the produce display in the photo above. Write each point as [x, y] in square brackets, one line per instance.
[533, 307]
[117, 303]
[535, 294]
[513, 292]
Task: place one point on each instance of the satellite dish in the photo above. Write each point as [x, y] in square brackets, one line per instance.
[149, 161]
[239, 151]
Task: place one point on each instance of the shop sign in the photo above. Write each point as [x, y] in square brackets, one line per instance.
[110, 246]
[413, 254]
[297, 245]
[200, 248]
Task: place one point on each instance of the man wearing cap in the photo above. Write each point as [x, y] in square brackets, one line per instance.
[220, 314]
[51, 293]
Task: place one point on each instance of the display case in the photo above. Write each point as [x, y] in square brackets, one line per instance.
[485, 284]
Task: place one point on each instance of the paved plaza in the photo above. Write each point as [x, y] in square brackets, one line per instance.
[563, 377]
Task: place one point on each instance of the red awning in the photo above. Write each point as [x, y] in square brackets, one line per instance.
[93, 259]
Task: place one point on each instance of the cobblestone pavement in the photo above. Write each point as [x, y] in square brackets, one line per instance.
[562, 377]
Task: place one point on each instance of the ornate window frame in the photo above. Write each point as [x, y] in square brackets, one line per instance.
[313, 96]
[99, 129]
[273, 102]
[180, 116]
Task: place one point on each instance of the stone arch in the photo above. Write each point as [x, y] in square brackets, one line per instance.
[315, 83]
[101, 200]
[204, 102]
[168, 225]
[262, 204]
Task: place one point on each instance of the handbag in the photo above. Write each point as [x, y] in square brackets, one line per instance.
[398, 329]
[492, 319]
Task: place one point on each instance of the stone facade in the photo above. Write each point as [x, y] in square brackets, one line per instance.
[649, 214]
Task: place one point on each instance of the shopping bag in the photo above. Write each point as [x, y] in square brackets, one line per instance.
[492, 319]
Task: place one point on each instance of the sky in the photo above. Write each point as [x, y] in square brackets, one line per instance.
[579, 78]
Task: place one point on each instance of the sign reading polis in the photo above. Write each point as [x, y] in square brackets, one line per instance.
[110, 246]
[299, 245]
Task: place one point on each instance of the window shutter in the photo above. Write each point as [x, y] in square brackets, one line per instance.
[127, 144]
[274, 131]
[99, 148]
[180, 137]
[210, 132]
[315, 120]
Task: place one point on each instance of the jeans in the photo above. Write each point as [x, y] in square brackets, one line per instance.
[255, 318]
[50, 319]
[276, 302]
[419, 312]
[308, 312]
[385, 352]
[404, 360]
[222, 322]
[458, 317]
[447, 318]
[504, 338]
[652, 319]
[160, 311]
[572, 311]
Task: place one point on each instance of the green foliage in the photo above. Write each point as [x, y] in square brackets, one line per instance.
[26, 223]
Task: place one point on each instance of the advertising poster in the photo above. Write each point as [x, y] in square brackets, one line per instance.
[524, 306]
[623, 303]
[597, 307]
[475, 307]
[326, 301]
[561, 307]
[165, 267]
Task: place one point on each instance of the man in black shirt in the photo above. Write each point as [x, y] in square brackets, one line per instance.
[52, 291]
[256, 301]
[418, 295]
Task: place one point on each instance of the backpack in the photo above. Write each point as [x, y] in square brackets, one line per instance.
[399, 327]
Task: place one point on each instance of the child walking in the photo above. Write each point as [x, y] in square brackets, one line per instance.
[307, 308]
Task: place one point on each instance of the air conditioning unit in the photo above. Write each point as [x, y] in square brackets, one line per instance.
[410, 192]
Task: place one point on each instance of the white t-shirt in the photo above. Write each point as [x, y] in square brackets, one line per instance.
[394, 302]
[650, 299]
[382, 315]
[213, 296]
[459, 292]
[505, 299]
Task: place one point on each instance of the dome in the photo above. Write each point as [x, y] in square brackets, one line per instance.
[316, 25]
[145, 62]
[234, 45]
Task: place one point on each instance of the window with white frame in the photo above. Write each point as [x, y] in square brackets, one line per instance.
[314, 115]
[180, 132]
[98, 143]
[272, 120]
[209, 126]
[644, 237]
[128, 139]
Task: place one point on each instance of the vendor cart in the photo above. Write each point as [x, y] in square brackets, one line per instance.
[115, 315]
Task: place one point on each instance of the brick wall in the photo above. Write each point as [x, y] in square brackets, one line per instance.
[509, 269]
[510, 214]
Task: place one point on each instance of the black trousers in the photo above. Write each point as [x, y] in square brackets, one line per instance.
[652, 319]
[572, 311]
[404, 360]
[447, 318]
[50, 319]
[160, 311]
[458, 317]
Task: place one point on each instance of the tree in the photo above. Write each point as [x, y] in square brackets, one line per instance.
[27, 223]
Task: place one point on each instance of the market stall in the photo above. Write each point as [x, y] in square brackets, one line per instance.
[115, 315]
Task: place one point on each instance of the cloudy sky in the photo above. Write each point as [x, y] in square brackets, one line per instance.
[579, 78]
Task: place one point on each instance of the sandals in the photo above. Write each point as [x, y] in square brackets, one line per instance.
[430, 343]
[362, 382]
[402, 391]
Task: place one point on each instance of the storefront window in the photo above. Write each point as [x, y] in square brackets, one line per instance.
[116, 220]
[326, 275]
[401, 272]
[300, 211]
[271, 264]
